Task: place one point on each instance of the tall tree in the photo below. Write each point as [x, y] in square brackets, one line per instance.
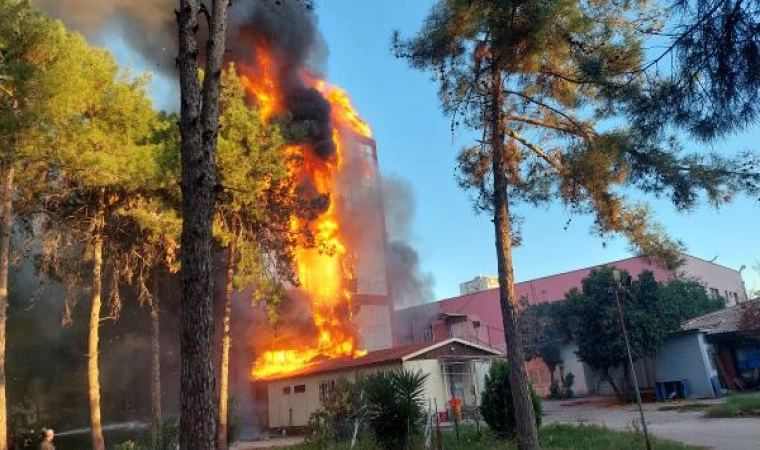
[542, 335]
[651, 310]
[598, 334]
[518, 71]
[199, 129]
[30, 44]
[504, 67]
[252, 219]
[102, 161]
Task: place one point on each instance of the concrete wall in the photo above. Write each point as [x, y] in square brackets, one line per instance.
[375, 328]
[436, 391]
[580, 370]
[438, 384]
[685, 356]
[728, 282]
[293, 409]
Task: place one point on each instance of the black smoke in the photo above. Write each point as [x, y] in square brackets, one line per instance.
[287, 29]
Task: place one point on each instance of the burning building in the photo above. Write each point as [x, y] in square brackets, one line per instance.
[343, 296]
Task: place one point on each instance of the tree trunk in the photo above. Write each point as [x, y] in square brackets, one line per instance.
[93, 372]
[6, 223]
[527, 434]
[199, 114]
[609, 378]
[224, 372]
[155, 366]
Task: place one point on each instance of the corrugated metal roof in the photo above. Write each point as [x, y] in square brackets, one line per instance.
[724, 321]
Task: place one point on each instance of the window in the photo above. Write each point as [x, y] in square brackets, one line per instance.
[714, 293]
[299, 388]
[325, 388]
[427, 333]
[286, 390]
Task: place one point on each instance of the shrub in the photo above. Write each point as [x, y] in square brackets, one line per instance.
[333, 421]
[395, 409]
[496, 401]
[554, 391]
[568, 386]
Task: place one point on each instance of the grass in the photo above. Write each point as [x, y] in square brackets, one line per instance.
[553, 437]
[737, 405]
[685, 407]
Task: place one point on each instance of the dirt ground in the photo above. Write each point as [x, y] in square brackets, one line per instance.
[689, 427]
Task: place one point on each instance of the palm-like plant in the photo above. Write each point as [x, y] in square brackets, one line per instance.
[395, 406]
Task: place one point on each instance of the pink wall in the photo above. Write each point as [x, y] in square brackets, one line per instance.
[484, 306]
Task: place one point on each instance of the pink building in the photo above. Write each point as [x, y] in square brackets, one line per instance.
[477, 316]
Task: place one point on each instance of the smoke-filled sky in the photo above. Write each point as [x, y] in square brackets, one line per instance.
[415, 143]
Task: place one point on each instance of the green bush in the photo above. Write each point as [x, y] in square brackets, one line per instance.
[496, 401]
[394, 406]
[567, 391]
[554, 391]
[333, 422]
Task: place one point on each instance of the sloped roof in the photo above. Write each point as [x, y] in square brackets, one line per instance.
[719, 322]
[378, 357]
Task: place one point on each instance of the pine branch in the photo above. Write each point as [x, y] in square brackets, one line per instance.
[578, 130]
[535, 101]
[557, 165]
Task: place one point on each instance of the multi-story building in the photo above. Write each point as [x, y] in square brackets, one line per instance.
[479, 283]
[476, 316]
[363, 225]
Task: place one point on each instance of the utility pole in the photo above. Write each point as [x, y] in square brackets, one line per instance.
[616, 275]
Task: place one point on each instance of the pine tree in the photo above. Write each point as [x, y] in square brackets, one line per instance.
[253, 214]
[24, 47]
[102, 161]
[199, 129]
[704, 72]
[535, 78]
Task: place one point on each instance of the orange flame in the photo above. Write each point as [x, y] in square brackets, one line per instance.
[325, 270]
[261, 82]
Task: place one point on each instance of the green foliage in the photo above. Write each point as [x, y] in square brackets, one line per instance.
[737, 405]
[703, 78]
[394, 406]
[567, 385]
[685, 299]
[496, 401]
[333, 422]
[557, 437]
[542, 335]
[260, 197]
[652, 311]
[552, 437]
[552, 109]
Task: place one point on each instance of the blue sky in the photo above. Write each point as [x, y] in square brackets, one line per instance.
[415, 143]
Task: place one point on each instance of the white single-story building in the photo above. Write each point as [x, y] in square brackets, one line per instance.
[455, 368]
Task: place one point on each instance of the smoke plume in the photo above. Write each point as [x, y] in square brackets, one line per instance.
[287, 29]
[410, 284]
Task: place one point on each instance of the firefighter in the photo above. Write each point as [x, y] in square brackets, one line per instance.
[47, 440]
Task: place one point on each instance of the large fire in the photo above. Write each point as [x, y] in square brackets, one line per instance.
[325, 269]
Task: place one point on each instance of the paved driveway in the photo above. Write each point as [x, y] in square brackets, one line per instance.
[687, 427]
